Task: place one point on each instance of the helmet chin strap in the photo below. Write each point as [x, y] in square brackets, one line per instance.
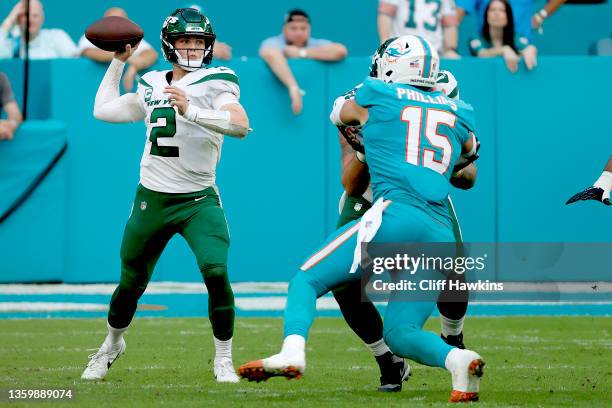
[188, 64]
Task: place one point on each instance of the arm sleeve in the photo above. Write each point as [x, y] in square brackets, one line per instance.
[109, 106]
[272, 42]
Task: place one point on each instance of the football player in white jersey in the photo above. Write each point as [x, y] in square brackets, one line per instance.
[187, 110]
[434, 20]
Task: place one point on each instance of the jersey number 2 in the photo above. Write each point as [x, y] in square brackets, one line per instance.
[423, 156]
[165, 119]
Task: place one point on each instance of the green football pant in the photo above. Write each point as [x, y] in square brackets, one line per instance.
[155, 219]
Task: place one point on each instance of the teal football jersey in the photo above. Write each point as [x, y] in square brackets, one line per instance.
[412, 139]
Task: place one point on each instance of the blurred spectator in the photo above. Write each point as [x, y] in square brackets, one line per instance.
[602, 47]
[499, 38]
[221, 50]
[44, 43]
[142, 58]
[526, 19]
[435, 21]
[8, 104]
[296, 42]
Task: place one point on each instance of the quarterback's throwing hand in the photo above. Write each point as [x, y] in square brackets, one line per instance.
[178, 98]
[125, 55]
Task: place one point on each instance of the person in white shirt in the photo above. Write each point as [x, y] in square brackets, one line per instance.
[434, 20]
[143, 57]
[45, 43]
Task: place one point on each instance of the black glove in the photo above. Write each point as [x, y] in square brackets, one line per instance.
[353, 136]
[591, 193]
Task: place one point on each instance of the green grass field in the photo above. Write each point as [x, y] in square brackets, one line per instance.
[531, 361]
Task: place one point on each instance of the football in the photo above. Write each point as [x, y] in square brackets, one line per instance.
[113, 33]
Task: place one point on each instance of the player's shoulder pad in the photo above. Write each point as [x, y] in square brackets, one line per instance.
[465, 112]
[350, 94]
[375, 83]
[217, 74]
[370, 87]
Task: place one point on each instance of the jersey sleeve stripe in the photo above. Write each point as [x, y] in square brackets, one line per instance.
[144, 83]
[223, 76]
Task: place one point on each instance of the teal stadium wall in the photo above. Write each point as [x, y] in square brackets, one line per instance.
[569, 32]
[542, 140]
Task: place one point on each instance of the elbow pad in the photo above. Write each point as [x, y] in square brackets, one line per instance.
[216, 120]
[208, 117]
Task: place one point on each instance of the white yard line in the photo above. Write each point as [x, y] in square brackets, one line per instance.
[153, 288]
[51, 307]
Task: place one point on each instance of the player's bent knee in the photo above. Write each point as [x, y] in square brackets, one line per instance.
[133, 278]
[304, 278]
[218, 285]
[399, 338]
[214, 271]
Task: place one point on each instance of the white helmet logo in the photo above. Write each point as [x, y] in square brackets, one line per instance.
[169, 20]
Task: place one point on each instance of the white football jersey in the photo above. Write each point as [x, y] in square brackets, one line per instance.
[181, 156]
[421, 17]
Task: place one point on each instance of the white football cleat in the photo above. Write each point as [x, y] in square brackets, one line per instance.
[100, 362]
[278, 365]
[466, 368]
[224, 371]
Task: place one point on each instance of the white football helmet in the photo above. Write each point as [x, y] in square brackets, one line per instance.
[408, 59]
[447, 84]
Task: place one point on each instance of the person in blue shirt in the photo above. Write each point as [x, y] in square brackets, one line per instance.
[413, 136]
[295, 42]
[499, 38]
